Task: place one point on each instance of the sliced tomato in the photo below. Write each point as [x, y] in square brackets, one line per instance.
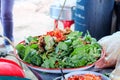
[58, 34]
[51, 33]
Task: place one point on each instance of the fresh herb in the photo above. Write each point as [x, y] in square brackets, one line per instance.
[74, 50]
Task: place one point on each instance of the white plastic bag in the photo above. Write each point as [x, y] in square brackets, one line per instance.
[115, 75]
[111, 47]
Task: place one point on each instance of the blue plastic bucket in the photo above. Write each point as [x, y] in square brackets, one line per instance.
[94, 16]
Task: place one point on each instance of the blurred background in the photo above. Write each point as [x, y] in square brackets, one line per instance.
[31, 17]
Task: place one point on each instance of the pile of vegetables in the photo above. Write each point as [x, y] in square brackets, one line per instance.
[58, 48]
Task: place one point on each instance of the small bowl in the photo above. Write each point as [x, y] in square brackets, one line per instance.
[85, 72]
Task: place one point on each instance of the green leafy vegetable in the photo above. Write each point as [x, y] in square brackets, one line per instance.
[75, 51]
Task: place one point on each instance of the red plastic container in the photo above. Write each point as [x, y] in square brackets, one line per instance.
[10, 68]
[66, 23]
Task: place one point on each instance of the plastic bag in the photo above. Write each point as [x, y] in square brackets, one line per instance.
[115, 75]
[111, 47]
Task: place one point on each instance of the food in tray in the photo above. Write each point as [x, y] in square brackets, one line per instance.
[60, 48]
[85, 77]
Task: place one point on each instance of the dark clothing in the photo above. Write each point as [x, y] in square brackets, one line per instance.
[6, 15]
[117, 11]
